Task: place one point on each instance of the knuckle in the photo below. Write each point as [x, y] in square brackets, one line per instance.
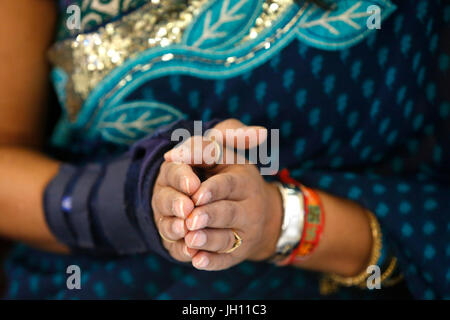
[231, 182]
[213, 267]
[154, 203]
[181, 177]
[211, 213]
[160, 201]
[159, 178]
[218, 263]
[232, 213]
[213, 263]
[163, 167]
[177, 175]
[166, 229]
[175, 253]
[178, 169]
[212, 187]
[180, 254]
[161, 225]
[167, 171]
[171, 173]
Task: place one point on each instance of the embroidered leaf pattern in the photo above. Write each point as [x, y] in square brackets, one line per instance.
[135, 120]
[343, 27]
[212, 30]
[348, 17]
[131, 128]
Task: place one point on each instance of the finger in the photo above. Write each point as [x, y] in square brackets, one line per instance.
[179, 176]
[170, 202]
[201, 153]
[221, 186]
[214, 240]
[179, 251]
[172, 228]
[205, 151]
[211, 261]
[219, 214]
[234, 134]
[197, 151]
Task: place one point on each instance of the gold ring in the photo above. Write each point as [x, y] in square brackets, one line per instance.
[161, 235]
[237, 243]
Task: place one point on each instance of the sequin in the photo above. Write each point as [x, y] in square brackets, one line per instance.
[88, 58]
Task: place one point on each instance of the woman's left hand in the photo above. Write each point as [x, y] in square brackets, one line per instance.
[235, 199]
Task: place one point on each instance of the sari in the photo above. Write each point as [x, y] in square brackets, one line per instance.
[363, 114]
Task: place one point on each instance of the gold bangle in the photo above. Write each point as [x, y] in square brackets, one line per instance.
[393, 281]
[385, 277]
[330, 282]
[374, 257]
[237, 243]
[386, 274]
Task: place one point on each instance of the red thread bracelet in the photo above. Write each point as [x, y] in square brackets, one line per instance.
[314, 222]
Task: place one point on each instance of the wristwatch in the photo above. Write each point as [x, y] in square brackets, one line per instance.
[293, 221]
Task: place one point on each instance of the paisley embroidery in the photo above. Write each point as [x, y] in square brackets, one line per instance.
[222, 24]
[131, 121]
[341, 28]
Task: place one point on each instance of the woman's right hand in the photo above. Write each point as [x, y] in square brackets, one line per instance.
[172, 204]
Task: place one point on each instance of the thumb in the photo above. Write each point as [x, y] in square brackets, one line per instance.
[236, 135]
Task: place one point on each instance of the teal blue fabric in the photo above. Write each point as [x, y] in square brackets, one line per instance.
[365, 116]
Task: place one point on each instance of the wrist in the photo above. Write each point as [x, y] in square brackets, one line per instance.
[303, 222]
[346, 241]
[272, 226]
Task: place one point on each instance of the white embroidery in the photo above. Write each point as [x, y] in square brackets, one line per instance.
[125, 124]
[226, 15]
[143, 123]
[347, 17]
[89, 18]
[111, 8]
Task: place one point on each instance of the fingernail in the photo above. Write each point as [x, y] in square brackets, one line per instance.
[199, 222]
[186, 181]
[178, 228]
[199, 239]
[204, 198]
[203, 262]
[186, 251]
[178, 208]
[181, 209]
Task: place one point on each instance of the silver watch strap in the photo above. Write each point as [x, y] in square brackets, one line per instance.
[293, 221]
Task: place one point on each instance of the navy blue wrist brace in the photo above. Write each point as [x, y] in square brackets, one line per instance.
[105, 208]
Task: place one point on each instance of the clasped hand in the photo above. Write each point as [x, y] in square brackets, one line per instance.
[197, 219]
